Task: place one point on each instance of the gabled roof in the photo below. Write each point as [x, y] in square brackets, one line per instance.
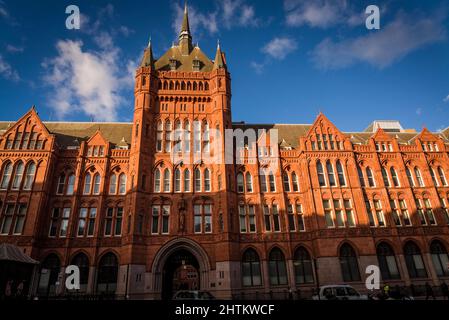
[67, 132]
[185, 63]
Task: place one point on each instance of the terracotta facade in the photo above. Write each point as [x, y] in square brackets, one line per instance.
[324, 206]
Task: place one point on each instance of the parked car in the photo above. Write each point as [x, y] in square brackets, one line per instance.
[339, 292]
[193, 295]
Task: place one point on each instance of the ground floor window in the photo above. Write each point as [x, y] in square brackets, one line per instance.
[251, 275]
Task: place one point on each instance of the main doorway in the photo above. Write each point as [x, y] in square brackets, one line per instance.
[181, 272]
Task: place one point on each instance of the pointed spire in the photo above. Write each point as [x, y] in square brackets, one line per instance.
[219, 62]
[185, 22]
[148, 58]
[185, 38]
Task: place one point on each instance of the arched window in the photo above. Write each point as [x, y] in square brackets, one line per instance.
[6, 178]
[320, 172]
[394, 176]
[157, 180]
[168, 129]
[18, 175]
[178, 136]
[410, 177]
[70, 185]
[249, 182]
[113, 184]
[341, 174]
[414, 261]
[387, 262]
[442, 176]
[87, 183]
[82, 262]
[166, 180]
[330, 174]
[251, 275]
[187, 180]
[303, 266]
[277, 268]
[29, 176]
[419, 177]
[295, 182]
[349, 264]
[206, 137]
[369, 175]
[286, 180]
[197, 178]
[49, 274]
[207, 184]
[361, 178]
[272, 182]
[187, 136]
[61, 184]
[440, 258]
[97, 184]
[107, 274]
[177, 180]
[159, 133]
[385, 177]
[122, 184]
[434, 178]
[240, 183]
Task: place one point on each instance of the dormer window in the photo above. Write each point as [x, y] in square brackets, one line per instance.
[196, 64]
[173, 64]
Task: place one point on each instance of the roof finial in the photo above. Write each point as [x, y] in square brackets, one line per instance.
[185, 7]
[149, 42]
[218, 44]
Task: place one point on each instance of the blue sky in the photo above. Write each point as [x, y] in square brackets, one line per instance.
[289, 59]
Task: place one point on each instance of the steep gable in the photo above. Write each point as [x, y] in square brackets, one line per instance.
[28, 133]
[324, 135]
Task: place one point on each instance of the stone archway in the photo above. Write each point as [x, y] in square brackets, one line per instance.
[178, 254]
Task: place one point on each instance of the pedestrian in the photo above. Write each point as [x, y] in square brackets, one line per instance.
[8, 289]
[386, 291]
[445, 290]
[19, 290]
[429, 291]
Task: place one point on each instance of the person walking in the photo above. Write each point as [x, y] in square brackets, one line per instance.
[429, 291]
[19, 290]
[386, 291]
[8, 289]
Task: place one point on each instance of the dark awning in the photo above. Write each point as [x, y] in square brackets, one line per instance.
[9, 252]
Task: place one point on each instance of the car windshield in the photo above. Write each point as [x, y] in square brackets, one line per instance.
[186, 295]
[340, 291]
[352, 292]
[205, 296]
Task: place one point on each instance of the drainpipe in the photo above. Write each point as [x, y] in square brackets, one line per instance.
[315, 267]
[127, 283]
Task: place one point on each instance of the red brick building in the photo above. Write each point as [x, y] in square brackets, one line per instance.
[135, 204]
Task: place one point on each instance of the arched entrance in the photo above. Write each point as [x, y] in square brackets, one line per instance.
[180, 263]
[181, 272]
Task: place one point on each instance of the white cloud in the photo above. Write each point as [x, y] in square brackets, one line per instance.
[90, 81]
[418, 111]
[237, 13]
[280, 48]
[14, 49]
[381, 48]
[84, 81]
[258, 67]
[7, 71]
[197, 20]
[320, 13]
[228, 13]
[446, 99]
